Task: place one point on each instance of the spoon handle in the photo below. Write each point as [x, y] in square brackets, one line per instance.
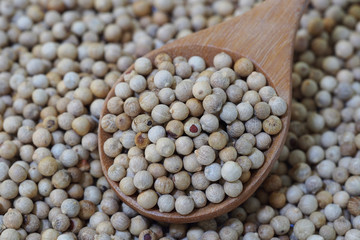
[265, 35]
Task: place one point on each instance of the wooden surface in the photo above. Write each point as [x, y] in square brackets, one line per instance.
[265, 35]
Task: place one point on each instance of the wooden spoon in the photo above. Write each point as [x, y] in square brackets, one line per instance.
[265, 35]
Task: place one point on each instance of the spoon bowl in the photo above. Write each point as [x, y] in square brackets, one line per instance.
[265, 35]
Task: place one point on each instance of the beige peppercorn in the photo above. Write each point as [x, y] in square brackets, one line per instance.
[157, 170]
[112, 147]
[13, 219]
[184, 145]
[195, 107]
[115, 105]
[217, 140]
[147, 199]
[243, 67]
[142, 123]
[127, 186]
[262, 110]
[272, 125]
[141, 8]
[179, 111]
[228, 154]
[164, 185]
[148, 100]
[132, 107]
[122, 122]
[141, 140]
[81, 125]
[201, 89]
[17, 173]
[174, 128]
[50, 123]
[108, 123]
[41, 137]
[212, 103]
[182, 180]
[183, 90]
[47, 166]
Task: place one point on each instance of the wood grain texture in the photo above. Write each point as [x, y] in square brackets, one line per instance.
[265, 35]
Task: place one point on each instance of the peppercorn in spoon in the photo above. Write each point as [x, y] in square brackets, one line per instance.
[265, 35]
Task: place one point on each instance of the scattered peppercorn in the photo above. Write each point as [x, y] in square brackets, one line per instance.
[58, 61]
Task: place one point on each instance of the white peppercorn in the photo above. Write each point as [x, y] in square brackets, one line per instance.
[228, 113]
[184, 145]
[161, 113]
[280, 224]
[166, 96]
[116, 172]
[143, 66]
[173, 164]
[256, 81]
[163, 79]
[278, 106]
[245, 111]
[231, 171]
[213, 172]
[165, 147]
[222, 60]
[209, 123]
[308, 204]
[137, 83]
[143, 180]
[212, 103]
[205, 155]
[166, 203]
[184, 205]
[215, 193]
[233, 189]
[304, 228]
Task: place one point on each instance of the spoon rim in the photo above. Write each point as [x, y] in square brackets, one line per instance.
[211, 210]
